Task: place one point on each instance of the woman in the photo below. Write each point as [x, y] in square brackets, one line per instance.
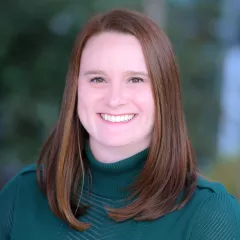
[119, 163]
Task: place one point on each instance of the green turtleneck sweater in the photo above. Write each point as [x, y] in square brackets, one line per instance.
[211, 214]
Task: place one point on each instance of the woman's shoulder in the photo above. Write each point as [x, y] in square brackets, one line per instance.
[214, 196]
[23, 184]
[216, 212]
[206, 188]
[26, 174]
[29, 171]
[20, 187]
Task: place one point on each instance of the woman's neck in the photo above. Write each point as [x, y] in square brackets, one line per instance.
[113, 180]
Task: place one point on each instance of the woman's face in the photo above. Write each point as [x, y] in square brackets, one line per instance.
[115, 100]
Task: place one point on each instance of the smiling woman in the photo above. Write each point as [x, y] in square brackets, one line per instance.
[119, 163]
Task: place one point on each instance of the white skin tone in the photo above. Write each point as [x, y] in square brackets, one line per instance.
[113, 80]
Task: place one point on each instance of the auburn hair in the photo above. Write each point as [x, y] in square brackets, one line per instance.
[169, 176]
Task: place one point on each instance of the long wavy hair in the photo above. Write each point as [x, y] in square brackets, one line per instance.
[170, 170]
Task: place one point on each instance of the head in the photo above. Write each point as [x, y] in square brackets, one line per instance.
[115, 100]
[122, 64]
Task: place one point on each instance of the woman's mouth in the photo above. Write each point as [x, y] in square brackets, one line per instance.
[123, 118]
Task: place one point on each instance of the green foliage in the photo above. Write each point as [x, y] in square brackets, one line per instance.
[192, 29]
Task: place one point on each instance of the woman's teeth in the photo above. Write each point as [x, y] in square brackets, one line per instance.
[120, 118]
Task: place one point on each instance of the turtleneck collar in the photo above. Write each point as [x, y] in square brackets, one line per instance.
[109, 179]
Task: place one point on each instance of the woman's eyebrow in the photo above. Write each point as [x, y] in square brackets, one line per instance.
[93, 72]
[129, 72]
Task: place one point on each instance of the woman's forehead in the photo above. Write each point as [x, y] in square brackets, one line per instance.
[113, 51]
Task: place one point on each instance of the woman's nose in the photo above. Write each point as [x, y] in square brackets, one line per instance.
[116, 96]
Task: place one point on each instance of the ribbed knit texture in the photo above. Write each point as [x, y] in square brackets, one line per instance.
[110, 180]
[211, 214]
[218, 219]
[7, 199]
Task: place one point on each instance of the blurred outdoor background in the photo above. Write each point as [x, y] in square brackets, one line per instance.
[35, 45]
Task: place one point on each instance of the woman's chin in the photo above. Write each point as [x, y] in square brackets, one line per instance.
[111, 142]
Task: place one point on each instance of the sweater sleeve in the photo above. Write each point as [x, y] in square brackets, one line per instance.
[7, 200]
[217, 219]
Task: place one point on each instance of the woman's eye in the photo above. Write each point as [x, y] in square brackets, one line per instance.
[97, 80]
[136, 80]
